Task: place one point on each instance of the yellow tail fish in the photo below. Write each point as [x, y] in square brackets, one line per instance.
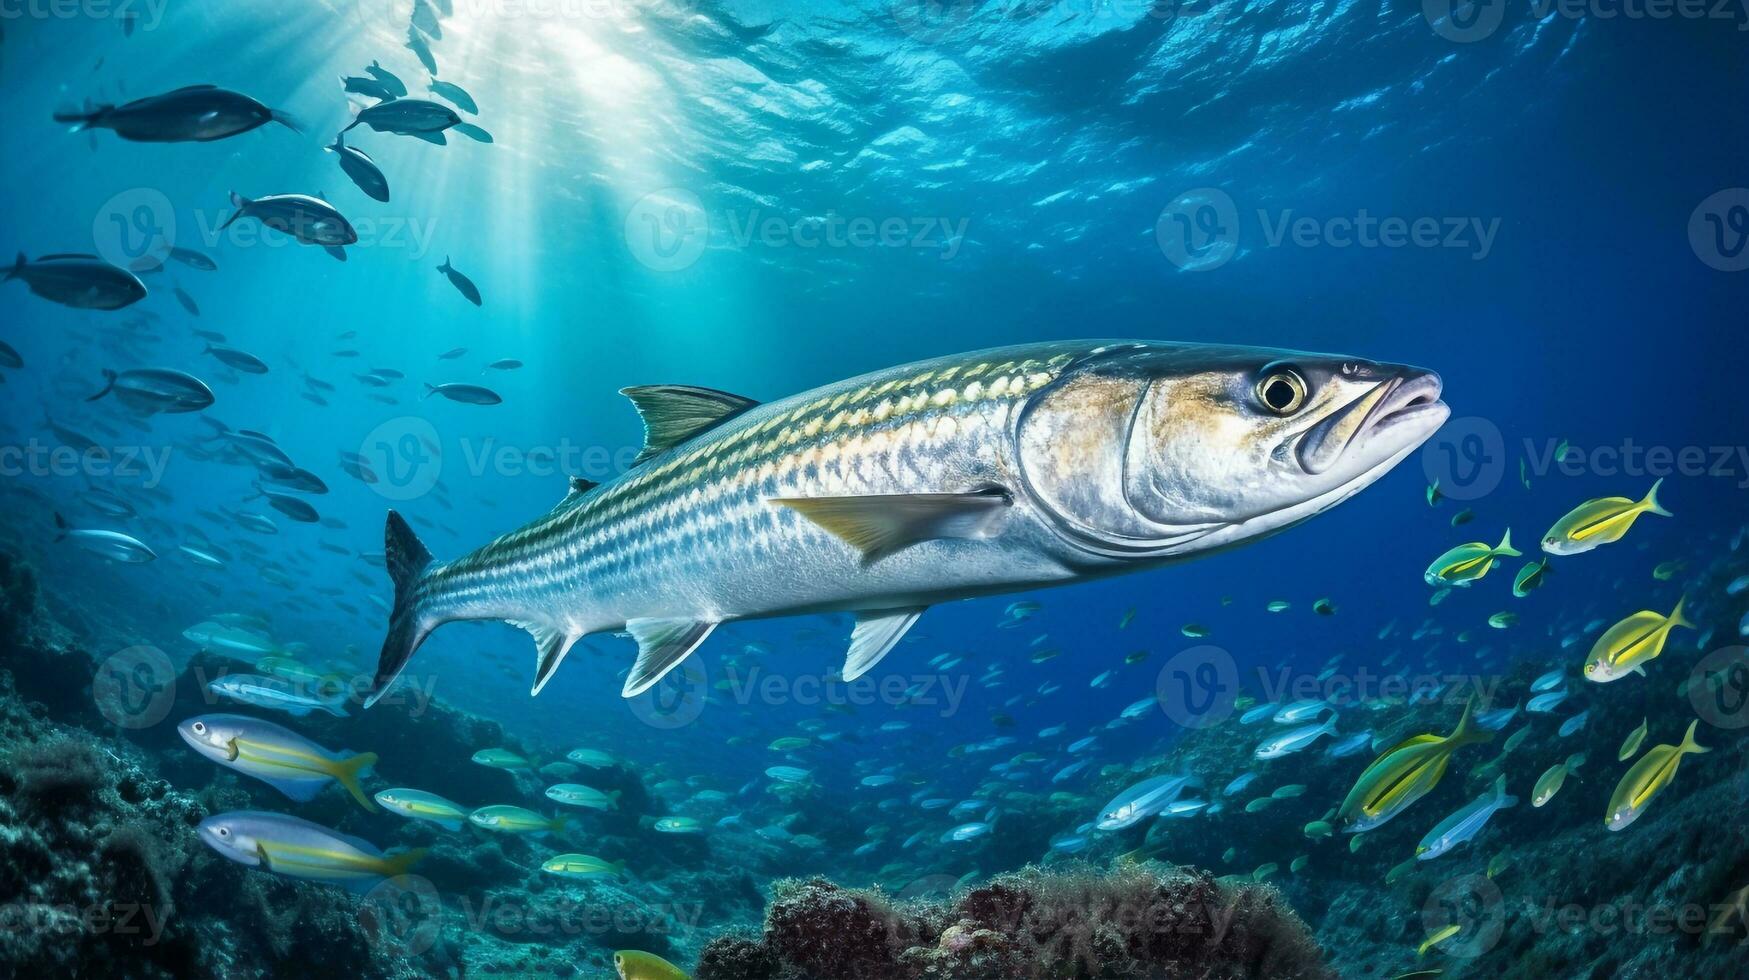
[1404, 774]
[1646, 778]
[1626, 647]
[1600, 521]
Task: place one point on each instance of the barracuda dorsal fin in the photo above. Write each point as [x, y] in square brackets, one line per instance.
[876, 634]
[878, 525]
[673, 414]
[550, 646]
[662, 645]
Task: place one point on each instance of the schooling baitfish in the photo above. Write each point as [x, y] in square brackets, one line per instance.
[982, 473]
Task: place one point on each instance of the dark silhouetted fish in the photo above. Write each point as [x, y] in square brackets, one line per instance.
[452, 353]
[358, 467]
[390, 80]
[148, 391]
[294, 478]
[473, 132]
[507, 364]
[186, 300]
[10, 357]
[361, 168]
[310, 220]
[83, 282]
[241, 360]
[416, 44]
[470, 394]
[407, 117]
[370, 88]
[197, 113]
[425, 19]
[193, 259]
[456, 94]
[462, 283]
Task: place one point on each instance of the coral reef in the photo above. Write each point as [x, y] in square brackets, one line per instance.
[1134, 922]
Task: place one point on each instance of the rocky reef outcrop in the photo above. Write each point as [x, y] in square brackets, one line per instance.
[1134, 922]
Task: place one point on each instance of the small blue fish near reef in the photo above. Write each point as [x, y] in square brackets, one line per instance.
[296, 848]
[276, 755]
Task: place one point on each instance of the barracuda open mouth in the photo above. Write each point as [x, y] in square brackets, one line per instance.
[1396, 406]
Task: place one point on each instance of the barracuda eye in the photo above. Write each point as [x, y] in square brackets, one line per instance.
[199, 727]
[222, 832]
[1282, 391]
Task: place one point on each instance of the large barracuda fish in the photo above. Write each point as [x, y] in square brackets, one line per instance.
[971, 475]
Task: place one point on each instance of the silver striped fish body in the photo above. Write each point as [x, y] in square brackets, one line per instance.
[692, 533]
[960, 476]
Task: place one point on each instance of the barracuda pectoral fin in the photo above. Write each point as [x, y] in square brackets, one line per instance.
[875, 635]
[878, 525]
[551, 644]
[673, 414]
[662, 645]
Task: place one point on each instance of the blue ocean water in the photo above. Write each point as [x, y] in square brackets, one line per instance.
[1543, 205]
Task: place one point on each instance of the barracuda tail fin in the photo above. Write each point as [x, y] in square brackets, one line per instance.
[407, 561]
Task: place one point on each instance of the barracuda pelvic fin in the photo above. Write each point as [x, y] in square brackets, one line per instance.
[875, 634]
[551, 645]
[662, 645]
[881, 524]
